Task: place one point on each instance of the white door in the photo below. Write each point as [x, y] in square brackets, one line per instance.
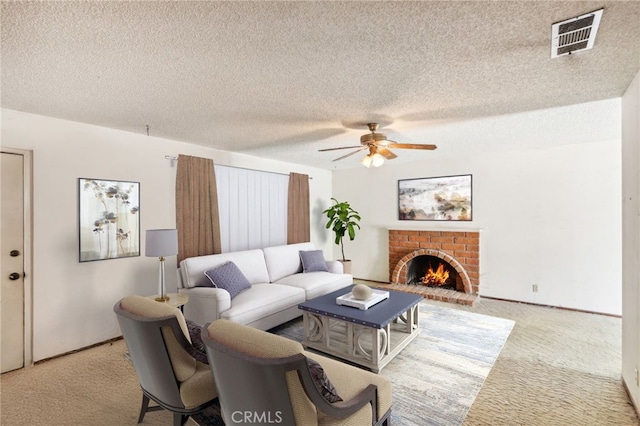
[12, 261]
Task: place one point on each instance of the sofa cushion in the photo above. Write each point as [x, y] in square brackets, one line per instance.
[284, 260]
[317, 283]
[229, 277]
[250, 262]
[262, 300]
[313, 261]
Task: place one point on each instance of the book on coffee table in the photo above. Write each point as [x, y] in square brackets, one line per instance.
[349, 299]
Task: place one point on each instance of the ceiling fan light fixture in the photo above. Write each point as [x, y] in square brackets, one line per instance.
[375, 138]
[377, 160]
[379, 148]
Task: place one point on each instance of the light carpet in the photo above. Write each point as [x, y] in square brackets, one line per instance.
[436, 378]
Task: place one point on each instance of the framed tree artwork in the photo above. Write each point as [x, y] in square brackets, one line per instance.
[109, 219]
[446, 198]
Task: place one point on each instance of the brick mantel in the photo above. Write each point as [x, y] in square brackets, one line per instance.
[463, 246]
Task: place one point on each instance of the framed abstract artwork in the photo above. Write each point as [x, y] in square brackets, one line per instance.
[109, 218]
[445, 198]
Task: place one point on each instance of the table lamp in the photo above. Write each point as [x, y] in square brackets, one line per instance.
[161, 243]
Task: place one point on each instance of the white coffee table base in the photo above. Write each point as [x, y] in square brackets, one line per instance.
[370, 347]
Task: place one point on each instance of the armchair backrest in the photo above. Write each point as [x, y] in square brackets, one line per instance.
[263, 378]
[256, 374]
[157, 337]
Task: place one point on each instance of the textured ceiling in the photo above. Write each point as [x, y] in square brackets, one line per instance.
[284, 79]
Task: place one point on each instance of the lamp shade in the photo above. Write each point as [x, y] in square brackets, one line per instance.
[377, 160]
[161, 242]
[366, 161]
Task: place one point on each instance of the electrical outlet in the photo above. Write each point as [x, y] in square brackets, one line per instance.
[534, 288]
[637, 378]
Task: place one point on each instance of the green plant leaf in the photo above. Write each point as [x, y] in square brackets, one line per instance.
[343, 220]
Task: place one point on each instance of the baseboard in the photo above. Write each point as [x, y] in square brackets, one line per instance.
[370, 281]
[115, 339]
[552, 306]
[633, 401]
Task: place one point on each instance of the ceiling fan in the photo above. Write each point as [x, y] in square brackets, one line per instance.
[378, 146]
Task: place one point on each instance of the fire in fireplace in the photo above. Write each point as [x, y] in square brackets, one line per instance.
[433, 272]
[436, 278]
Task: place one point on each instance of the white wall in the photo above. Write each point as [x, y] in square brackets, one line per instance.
[631, 238]
[530, 206]
[549, 216]
[72, 301]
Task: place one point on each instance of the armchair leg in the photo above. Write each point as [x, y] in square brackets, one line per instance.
[179, 419]
[385, 420]
[143, 408]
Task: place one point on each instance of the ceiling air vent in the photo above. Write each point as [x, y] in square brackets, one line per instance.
[575, 34]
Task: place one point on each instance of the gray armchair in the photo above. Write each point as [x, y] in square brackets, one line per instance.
[159, 347]
[269, 379]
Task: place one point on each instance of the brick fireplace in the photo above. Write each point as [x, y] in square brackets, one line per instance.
[459, 250]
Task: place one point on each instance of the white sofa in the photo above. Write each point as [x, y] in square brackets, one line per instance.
[278, 285]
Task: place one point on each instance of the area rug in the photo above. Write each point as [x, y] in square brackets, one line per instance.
[436, 378]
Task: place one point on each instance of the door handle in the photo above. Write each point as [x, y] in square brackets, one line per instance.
[14, 276]
[14, 253]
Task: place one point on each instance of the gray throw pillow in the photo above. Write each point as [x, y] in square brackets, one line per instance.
[197, 350]
[229, 277]
[313, 261]
[320, 379]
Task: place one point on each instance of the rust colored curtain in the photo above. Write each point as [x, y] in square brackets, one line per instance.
[197, 217]
[298, 230]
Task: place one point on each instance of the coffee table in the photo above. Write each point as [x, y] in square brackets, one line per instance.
[370, 338]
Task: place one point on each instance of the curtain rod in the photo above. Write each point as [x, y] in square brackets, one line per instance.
[172, 159]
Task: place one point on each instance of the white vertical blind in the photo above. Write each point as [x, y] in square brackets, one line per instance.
[253, 208]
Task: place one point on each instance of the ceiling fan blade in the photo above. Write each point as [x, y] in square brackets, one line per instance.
[411, 146]
[386, 153]
[351, 153]
[342, 147]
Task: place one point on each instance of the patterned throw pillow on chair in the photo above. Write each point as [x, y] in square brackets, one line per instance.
[320, 379]
[197, 350]
[229, 277]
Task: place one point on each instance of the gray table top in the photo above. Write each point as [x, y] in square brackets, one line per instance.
[377, 316]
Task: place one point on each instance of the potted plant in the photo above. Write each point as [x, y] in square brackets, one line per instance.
[344, 221]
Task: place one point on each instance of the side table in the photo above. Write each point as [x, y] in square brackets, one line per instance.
[177, 300]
